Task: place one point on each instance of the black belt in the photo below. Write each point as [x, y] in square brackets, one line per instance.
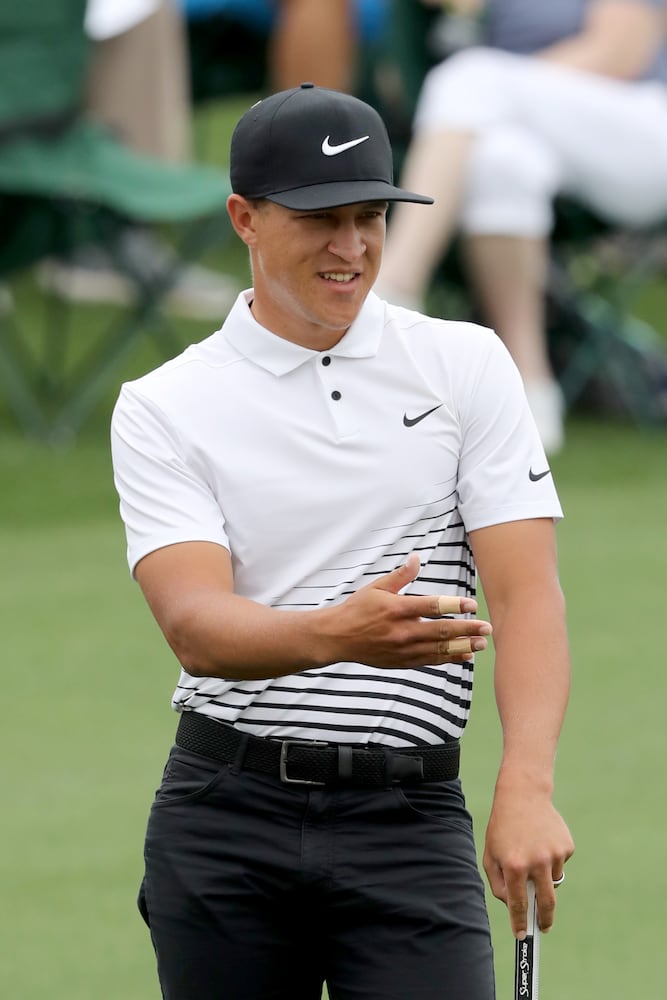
[304, 762]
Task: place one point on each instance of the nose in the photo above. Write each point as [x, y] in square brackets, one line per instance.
[347, 242]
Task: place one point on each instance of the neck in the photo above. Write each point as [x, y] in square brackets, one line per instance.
[310, 334]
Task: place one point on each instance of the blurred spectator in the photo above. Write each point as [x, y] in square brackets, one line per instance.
[308, 40]
[313, 40]
[138, 82]
[567, 97]
[139, 87]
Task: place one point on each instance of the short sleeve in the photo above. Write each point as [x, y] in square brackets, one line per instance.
[504, 474]
[164, 499]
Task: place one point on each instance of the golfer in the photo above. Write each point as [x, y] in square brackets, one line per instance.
[308, 495]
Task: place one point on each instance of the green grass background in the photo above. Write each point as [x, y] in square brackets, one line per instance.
[87, 724]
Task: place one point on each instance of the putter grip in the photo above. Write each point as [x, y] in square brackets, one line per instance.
[527, 955]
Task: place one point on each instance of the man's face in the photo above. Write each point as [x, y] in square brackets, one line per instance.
[313, 270]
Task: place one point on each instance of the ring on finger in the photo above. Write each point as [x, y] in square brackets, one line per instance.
[559, 881]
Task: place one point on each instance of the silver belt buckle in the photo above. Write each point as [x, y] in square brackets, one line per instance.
[284, 750]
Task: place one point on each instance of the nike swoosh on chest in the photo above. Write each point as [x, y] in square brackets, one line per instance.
[411, 421]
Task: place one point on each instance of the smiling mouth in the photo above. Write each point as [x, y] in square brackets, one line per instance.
[340, 277]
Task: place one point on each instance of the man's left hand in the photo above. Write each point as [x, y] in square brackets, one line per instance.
[526, 839]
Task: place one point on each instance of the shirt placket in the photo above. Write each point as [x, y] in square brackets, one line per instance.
[330, 371]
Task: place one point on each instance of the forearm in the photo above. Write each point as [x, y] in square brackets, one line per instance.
[224, 635]
[526, 837]
[532, 682]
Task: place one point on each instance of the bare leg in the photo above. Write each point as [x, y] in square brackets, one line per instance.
[508, 275]
[418, 235]
[139, 85]
[313, 40]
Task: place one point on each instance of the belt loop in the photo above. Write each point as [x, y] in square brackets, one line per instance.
[239, 756]
[344, 762]
[387, 754]
[401, 767]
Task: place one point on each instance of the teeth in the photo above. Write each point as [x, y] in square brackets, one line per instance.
[337, 276]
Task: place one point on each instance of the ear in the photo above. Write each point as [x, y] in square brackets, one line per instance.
[242, 215]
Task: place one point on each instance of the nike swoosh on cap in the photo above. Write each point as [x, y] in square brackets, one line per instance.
[536, 476]
[330, 150]
[411, 421]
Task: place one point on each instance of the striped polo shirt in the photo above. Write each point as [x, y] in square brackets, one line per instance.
[323, 471]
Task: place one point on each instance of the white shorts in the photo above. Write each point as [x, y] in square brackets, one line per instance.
[543, 130]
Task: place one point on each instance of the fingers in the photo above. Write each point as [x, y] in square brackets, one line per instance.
[516, 899]
[453, 606]
[494, 873]
[399, 577]
[546, 903]
[512, 890]
[546, 892]
[388, 628]
[460, 646]
[433, 606]
[429, 607]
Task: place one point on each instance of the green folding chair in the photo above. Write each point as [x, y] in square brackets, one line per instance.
[66, 180]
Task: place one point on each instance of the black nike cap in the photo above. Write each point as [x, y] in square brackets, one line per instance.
[309, 148]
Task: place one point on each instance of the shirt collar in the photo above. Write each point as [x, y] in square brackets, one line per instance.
[280, 356]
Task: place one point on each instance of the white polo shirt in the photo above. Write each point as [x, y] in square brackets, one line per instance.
[321, 472]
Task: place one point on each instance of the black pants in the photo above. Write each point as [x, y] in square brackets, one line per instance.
[257, 890]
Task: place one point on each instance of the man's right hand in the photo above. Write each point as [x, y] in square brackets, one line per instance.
[381, 627]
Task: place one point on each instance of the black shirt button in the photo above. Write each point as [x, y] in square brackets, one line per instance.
[326, 360]
[335, 394]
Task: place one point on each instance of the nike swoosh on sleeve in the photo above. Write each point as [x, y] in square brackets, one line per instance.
[536, 476]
